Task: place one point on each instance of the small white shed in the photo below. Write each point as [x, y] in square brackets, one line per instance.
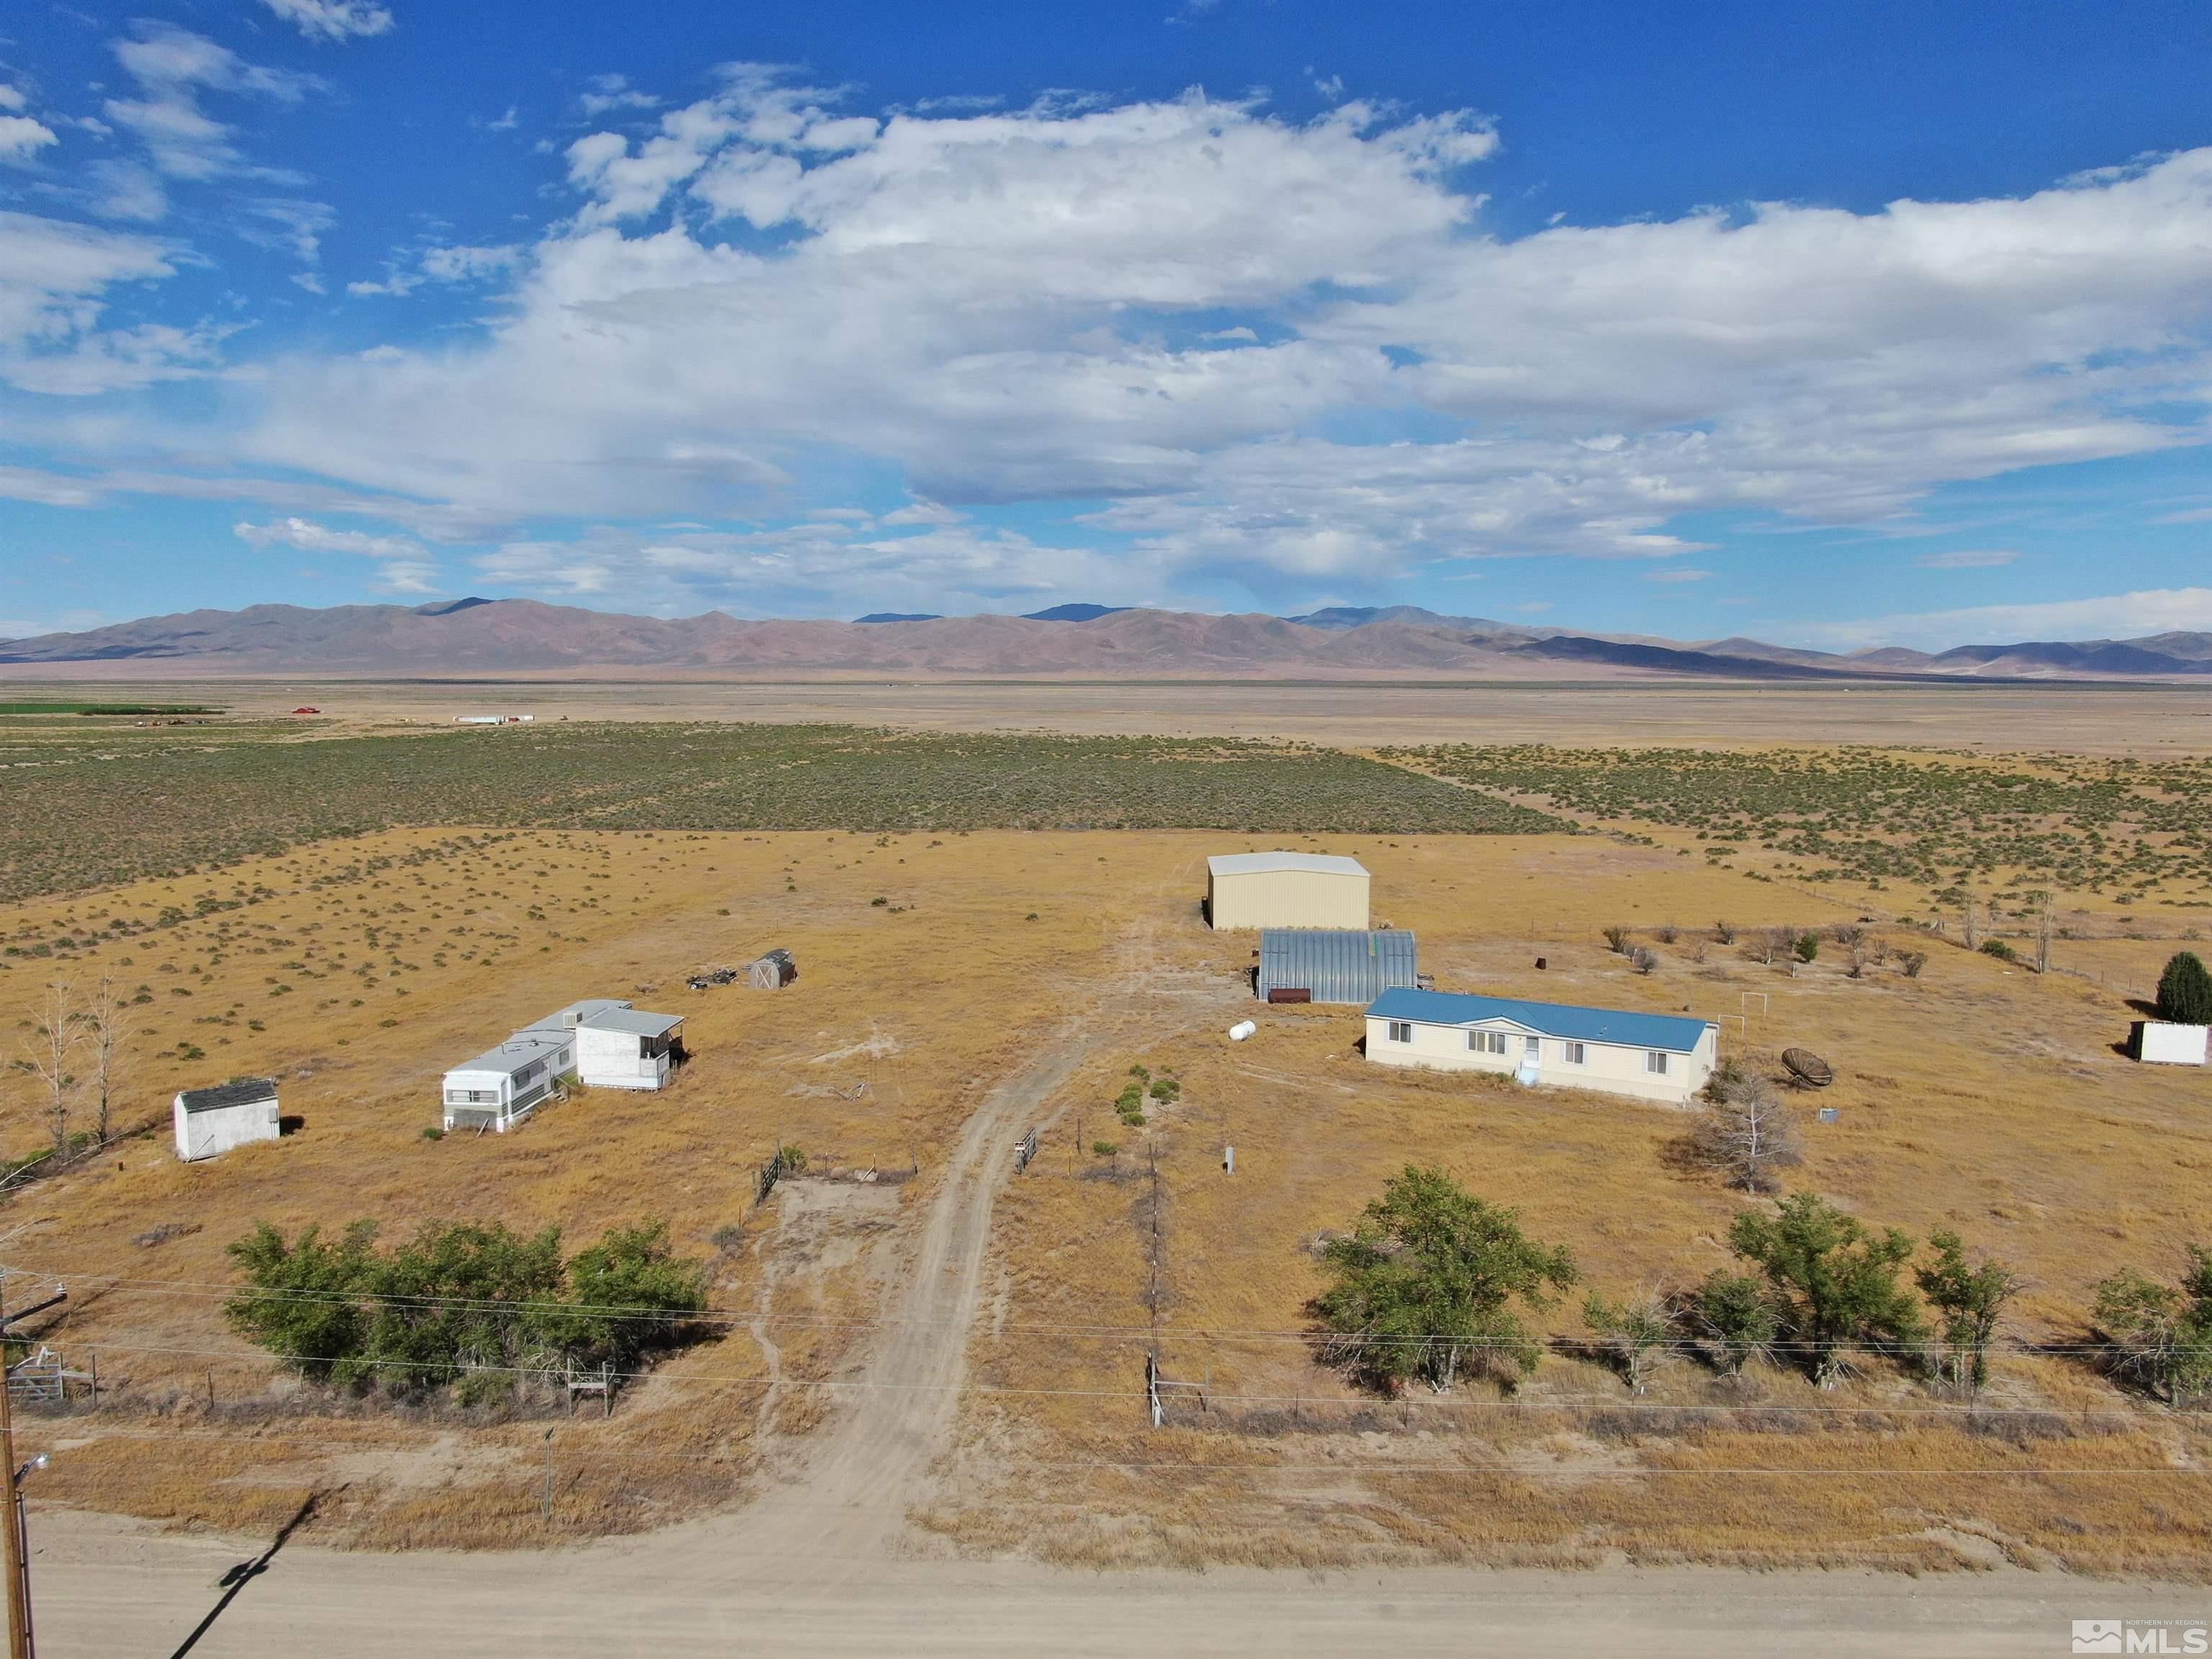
[503, 1085]
[1285, 890]
[617, 1046]
[211, 1122]
[2162, 1043]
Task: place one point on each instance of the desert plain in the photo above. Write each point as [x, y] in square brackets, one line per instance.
[918, 1360]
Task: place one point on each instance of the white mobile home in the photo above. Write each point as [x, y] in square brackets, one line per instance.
[1285, 890]
[1657, 1057]
[619, 1047]
[209, 1121]
[503, 1085]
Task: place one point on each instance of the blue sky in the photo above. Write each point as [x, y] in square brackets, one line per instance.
[1892, 324]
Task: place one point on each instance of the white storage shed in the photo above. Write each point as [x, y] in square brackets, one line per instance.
[211, 1122]
[617, 1046]
[1285, 890]
[1657, 1057]
[503, 1085]
[2162, 1043]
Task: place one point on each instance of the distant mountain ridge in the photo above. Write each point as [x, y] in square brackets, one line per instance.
[527, 636]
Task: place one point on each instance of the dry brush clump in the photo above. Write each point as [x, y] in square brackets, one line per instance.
[1747, 1132]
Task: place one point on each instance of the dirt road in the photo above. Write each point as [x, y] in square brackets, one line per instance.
[106, 1591]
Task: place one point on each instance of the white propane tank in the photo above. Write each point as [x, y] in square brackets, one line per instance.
[1240, 1029]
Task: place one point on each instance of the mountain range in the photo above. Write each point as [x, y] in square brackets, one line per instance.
[529, 637]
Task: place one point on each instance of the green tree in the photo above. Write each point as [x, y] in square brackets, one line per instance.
[1808, 947]
[627, 1295]
[1429, 1278]
[459, 1303]
[301, 1300]
[1634, 1331]
[1967, 1298]
[2161, 1334]
[1736, 1314]
[1834, 1280]
[2184, 990]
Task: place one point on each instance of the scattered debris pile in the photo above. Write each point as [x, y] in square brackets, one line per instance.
[1807, 1069]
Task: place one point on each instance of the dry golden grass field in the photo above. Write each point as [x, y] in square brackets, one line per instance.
[1978, 1095]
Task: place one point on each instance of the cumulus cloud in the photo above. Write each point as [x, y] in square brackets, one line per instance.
[22, 138]
[1254, 350]
[332, 19]
[404, 565]
[993, 303]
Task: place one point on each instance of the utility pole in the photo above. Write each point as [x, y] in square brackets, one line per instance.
[12, 1537]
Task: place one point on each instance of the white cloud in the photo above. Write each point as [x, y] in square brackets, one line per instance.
[2116, 615]
[988, 302]
[610, 93]
[1210, 326]
[332, 19]
[404, 565]
[54, 282]
[1968, 558]
[1677, 575]
[173, 67]
[22, 138]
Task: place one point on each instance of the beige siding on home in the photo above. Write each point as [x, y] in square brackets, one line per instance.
[1607, 1067]
[1287, 898]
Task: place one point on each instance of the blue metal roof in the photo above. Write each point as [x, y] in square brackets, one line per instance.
[1337, 964]
[1552, 1019]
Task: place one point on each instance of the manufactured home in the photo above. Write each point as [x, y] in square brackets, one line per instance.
[1285, 889]
[618, 1046]
[211, 1122]
[1657, 1057]
[502, 1086]
[1299, 964]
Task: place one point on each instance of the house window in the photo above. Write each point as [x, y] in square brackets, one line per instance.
[1574, 1054]
[1402, 1030]
[1486, 1042]
[1656, 1062]
[1532, 1047]
[471, 1096]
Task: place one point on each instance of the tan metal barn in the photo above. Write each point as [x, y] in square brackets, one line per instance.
[1285, 890]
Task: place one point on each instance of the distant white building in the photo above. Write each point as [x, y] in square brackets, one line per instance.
[1285, 890]
[1659, 1057]
[617, 1046]
[600, 1042]
[211, 1121]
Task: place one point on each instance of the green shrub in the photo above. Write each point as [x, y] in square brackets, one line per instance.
[1105, 1148]
[463, 1305]
[2184, 990]
[1808, 947]
[435, 1131]
[2000, 950]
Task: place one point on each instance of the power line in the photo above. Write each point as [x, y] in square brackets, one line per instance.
[202, 1289]
[1511, 1407]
